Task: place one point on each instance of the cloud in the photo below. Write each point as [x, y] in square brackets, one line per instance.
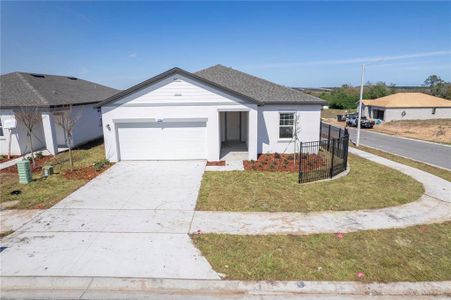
[133, 55]
[357, 60]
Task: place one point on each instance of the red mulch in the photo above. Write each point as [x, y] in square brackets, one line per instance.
[216, 163]
[276, 162]
[39, 163]
[86, 173]
[5, 158]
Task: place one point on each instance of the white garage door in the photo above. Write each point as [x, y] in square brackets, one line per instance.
[160, 141]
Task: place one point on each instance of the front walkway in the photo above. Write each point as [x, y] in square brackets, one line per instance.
[433, 207]
[131, 221]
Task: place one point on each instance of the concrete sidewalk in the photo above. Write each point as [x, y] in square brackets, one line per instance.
[145, 288]
[433, 207]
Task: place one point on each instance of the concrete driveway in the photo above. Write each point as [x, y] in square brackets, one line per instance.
[132, 221]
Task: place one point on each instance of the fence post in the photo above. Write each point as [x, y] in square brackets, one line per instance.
[320, 129]
[345, 151]
[332, 159]
[328, 138]
[300, 164]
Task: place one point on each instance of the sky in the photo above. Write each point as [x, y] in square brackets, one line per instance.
[302, 44]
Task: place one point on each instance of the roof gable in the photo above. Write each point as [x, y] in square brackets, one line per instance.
[167, 74]
[232, 82]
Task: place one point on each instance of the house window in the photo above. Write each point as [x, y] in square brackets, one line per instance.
[286, 125]
[378, 114]
[1, 128]
[99, 114]
[433, 110]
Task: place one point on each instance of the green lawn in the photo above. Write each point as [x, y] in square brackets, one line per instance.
[420, 253]
[45, 192]
[442, 173]
[368, 185]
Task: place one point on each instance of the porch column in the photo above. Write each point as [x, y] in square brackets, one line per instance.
[48, 125]
[252, 133]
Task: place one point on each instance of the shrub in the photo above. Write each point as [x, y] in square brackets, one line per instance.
[101, 164]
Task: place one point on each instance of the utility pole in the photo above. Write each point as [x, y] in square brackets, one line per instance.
[360, 106]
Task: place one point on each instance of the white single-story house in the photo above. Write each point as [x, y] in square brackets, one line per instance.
[48, 95]
[407, 106]
[207, 115]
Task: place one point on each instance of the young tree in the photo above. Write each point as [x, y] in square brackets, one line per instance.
[29, 117]
[68, 119]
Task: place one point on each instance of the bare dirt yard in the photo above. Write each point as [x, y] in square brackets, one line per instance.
[437, 130]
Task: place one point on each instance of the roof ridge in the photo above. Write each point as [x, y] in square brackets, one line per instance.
[33, 89]
[266, 80]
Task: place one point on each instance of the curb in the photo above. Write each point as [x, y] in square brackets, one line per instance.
[83, 287]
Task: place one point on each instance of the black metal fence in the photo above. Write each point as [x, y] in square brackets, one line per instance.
[325, 158]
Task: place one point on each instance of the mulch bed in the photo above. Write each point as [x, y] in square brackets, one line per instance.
[39, 163]
[216, 163]
[276, 162]
[86, 173]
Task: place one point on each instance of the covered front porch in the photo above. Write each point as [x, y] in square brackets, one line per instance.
[234, 129]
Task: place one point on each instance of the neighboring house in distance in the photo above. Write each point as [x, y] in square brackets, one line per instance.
[48, 94]
[407, 106]
[206, 115]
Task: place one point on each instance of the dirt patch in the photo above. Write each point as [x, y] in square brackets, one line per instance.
[216, 163]
[86, 173]
[276, 162]
[430, 130]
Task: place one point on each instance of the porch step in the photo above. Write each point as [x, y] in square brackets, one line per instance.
[230, 165]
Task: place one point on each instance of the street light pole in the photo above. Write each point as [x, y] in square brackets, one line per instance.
[360, 106]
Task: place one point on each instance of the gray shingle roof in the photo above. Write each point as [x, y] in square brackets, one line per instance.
[259, 89]
[28, 89]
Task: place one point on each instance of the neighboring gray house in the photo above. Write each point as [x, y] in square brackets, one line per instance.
[208, 114]
[48, 94]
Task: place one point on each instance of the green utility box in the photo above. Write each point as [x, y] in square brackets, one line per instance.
[24, 170]
[47, 171]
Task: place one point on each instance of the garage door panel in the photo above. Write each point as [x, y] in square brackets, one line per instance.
[166, 140]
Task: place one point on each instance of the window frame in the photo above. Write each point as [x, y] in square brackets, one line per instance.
[293, 126]
[2, 132]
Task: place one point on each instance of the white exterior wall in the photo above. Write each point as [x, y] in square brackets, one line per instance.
[88, 127]
[19, 138]
[308, 125]
[177, 97]
[392, 114]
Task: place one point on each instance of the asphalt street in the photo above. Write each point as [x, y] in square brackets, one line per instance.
[431, 153]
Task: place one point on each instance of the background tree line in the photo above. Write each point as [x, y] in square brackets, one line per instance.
[347, 96]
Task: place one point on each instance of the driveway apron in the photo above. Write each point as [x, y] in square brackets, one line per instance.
[131, 221]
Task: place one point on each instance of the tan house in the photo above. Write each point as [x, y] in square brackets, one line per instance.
[407, 106]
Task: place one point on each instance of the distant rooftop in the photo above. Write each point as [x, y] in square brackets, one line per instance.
[400, 100]
[43, 90]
